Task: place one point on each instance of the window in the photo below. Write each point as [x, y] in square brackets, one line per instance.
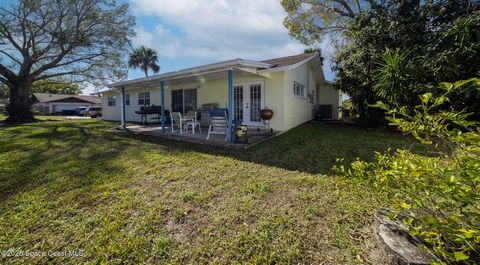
[127, 99]
[112, 101]
[298, 90]
[184, 100]
[144, 99]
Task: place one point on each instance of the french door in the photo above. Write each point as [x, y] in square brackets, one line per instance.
[248, 101]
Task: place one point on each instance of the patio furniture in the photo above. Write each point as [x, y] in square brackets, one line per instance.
[204, 112]
[195, 121]
[193, 125]
[149, 110]
[180, 122]
[193, 115]
[219, 124]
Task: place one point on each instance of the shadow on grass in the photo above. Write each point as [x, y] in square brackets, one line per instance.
[84, 153]
[310, 148]
[59, 150]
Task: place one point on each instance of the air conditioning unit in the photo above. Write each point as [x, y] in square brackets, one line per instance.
[325, 112]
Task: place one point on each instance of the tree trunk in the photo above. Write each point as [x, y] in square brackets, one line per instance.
[19, 108]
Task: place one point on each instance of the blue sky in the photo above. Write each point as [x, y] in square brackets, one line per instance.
[187, 33]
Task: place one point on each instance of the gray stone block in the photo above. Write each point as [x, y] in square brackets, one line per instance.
[398, 245]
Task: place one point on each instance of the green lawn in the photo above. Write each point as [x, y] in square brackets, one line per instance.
[40, 117]
[123, 198]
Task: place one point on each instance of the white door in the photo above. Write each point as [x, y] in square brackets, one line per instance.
[248, 101]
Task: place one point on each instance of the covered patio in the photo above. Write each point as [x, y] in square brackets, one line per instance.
[255, 136]
[223, 72]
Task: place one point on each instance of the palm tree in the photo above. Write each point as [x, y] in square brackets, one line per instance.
[144, 58]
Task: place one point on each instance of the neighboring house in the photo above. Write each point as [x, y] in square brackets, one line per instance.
[293, 87]
[54, 103]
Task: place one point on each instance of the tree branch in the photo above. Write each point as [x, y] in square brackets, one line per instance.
[73, 72]
[6, 72]
[359, 6]
[11, 57]
[347, 7]
[5, 81]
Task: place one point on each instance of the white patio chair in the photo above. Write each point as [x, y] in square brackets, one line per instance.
[192, 114]
[194, 123]
[179, 122]
[219, 125]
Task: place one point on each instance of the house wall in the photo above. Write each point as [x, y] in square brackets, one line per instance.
[274, 100]
[297, 109]
[289, 110]
[43, 108]
[327, 95]
[52, 107]
[111, 113]
[208, 91]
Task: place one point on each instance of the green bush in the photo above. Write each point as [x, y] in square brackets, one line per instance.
[437, 197]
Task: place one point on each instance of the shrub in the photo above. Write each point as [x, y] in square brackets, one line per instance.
[437, 197]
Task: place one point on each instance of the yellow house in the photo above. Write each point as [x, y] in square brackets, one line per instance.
[294, 87]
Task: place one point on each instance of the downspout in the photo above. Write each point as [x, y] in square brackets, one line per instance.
[230, 105]
[122, 107]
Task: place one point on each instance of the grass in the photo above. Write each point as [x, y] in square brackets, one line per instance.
[40, 117]
[123, 198]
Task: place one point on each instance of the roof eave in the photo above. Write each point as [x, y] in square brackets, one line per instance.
[194, 71]
[288, 67]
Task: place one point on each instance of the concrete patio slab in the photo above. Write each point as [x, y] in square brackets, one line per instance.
[255, 135]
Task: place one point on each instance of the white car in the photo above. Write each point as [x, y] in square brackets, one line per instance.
[80, 111]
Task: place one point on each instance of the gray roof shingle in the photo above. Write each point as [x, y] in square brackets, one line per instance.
[44, 98]
[289, 60]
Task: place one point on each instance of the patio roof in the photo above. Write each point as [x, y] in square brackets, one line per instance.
[241, 67]
[192, 73]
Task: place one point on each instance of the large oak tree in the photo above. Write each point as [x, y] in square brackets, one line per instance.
[78, 40]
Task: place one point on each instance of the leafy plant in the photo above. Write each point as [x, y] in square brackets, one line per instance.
[437, 197]
[396, 78]
[144, 58]
[441, 37]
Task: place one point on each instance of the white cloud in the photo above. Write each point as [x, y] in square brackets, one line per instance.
[143, 38]
[216, 29]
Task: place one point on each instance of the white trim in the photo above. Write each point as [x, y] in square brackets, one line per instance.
[304, 90]
[220, 66]
[122, 109]
[144, 98]
[246, 93]
[287, 67]
[108, 100]
[254, 71]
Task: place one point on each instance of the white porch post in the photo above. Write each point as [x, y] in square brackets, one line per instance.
[122, 107]
[230, 105]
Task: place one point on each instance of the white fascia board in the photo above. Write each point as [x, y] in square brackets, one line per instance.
[253, 64]
[287, 67]
[225, 65]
